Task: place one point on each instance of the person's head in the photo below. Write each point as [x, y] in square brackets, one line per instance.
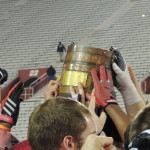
[59, 42]
[141, 141]
[136, 129]
[140, 123]
[59, 124]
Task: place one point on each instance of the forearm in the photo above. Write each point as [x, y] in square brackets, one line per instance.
[133, 102]
[129, 89]
[130, 94]
[120, 119]
[135, 82]
[132, 110]
[6, 139]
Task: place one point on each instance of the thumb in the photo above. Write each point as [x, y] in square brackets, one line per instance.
[107, 141]
[103, 117]
[116, 69]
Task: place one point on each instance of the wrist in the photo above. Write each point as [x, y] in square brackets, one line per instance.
[130, 96]
[110, 105]
[8, 125]
[4, 127]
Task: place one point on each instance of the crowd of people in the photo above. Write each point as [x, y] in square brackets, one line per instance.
[76, 123]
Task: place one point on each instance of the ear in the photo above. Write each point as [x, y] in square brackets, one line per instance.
[68, 143]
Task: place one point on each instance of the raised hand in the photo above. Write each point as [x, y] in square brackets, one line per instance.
[104, 90]
[51, 90]
[79, 97]
[133, 99]
[90, 102]
[98, 120]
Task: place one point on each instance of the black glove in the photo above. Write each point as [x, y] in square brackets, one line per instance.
[119, 60]
[10, 105]
[3, 76]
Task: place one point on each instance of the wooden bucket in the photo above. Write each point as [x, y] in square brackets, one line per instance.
[78, 63]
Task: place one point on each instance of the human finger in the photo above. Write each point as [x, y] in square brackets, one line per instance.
[72, 91]
[102, 73]
[92, 104]
[53, 82]
[116, 69]
[106, 141]
[81, 92]
[93, 92]
[87, 101]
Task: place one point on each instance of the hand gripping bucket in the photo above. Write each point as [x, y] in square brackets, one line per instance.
[78, 63]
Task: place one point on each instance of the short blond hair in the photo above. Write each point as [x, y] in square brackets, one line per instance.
[51, 121]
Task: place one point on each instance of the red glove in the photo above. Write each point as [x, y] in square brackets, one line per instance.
[104, 90]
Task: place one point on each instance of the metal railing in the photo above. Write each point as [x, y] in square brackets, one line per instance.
[29, 91]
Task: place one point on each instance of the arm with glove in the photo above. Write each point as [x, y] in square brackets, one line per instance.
[106, 98]
[9, 115]
[132, 99]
